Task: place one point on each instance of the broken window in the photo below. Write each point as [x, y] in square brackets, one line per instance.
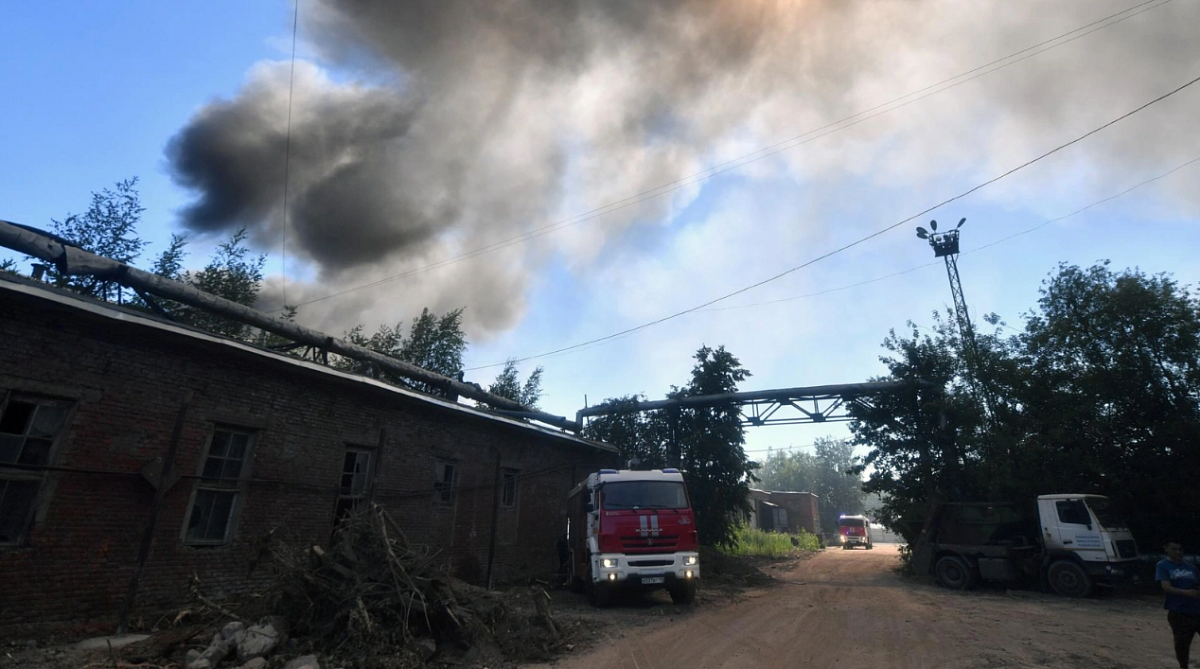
[508, 488]
[443, 483]
[28, 428]
[781, 519]
[211, 517]
[355, 481]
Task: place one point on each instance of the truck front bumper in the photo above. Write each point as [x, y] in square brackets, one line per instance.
[646, 570]
[1113, 573]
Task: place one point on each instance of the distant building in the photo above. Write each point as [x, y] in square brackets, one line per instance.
[93, 395]
[788, 512]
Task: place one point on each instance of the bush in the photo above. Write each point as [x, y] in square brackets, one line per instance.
[759, 543]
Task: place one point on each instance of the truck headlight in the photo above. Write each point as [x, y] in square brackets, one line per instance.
[608, 563]
[689, 560]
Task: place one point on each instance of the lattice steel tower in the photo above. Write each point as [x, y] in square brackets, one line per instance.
[945, 246]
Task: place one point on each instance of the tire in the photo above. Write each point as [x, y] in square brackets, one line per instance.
[954, 573]
[845, 547]
[1068, 579]
[683, 593]
[870, 546]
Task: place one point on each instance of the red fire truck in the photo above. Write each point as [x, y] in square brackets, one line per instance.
[632, 529]
[854, 531]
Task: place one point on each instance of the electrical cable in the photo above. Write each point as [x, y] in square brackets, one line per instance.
[974, 250]
[287, 158]
[855, 243]
[770, 150]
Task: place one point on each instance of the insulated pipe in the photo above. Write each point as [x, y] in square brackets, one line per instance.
[75, 261]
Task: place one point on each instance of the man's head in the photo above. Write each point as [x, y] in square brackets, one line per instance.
[1174, 550]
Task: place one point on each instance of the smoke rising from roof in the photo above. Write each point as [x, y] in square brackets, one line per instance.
[472, 122]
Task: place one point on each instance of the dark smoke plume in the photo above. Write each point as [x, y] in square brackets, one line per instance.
[471, 122]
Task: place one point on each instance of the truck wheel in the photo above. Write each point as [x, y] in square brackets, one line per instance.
[954, 573]
[683, 593]
[1069, 579]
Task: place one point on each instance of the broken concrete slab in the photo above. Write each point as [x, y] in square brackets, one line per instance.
[303, 662]
[259, 642]
[231, 630]
[256, 663]
[116, 641]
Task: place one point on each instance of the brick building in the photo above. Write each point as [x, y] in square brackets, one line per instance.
[788, 512]
[92, 395]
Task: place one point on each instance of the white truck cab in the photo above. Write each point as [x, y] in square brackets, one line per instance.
[1087, 527]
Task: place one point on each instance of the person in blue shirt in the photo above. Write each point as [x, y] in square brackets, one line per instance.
[1180, 581]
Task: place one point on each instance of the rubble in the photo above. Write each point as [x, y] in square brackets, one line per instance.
[255, 642]
[303, 662]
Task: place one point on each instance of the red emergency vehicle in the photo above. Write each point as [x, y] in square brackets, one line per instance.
[854, 531]
[632, 529]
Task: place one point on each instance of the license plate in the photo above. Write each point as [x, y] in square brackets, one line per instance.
[654, 579]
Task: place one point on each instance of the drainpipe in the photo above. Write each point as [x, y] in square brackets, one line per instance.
[496, 491]
[152, 517]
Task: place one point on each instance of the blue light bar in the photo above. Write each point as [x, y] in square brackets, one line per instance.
[670, 470]
[608, 471]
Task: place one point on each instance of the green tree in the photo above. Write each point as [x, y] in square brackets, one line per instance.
[642, 437]
[712, 448]
[710, 441]
[9, 265]
[1112, 401]
[435, 343]
[830, 472]
[107, 228]
[234, 273]
[508, 384]
[1099, 394]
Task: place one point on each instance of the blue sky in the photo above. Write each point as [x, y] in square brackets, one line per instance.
[505, 139]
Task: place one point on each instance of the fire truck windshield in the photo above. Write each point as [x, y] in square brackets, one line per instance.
[644, 495]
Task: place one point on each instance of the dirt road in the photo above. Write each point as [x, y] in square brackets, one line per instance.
[851, 609]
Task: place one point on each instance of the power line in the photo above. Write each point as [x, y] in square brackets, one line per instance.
[287, 157]
[773, 149]
[985, 246]
[857, 242]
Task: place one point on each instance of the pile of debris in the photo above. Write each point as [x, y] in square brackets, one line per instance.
[249, 645]
[374, 598]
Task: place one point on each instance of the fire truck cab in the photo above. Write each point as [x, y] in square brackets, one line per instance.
[854, 531]
[632, 529]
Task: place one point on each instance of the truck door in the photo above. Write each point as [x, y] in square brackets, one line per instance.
[1068, 526]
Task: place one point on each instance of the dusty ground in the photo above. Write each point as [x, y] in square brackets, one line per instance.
[852, 609]
[845, 609]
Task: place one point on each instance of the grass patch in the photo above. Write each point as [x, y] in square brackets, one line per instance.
[757, 543]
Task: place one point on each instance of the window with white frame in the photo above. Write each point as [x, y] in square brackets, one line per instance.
[509, 478]
[356, 480]
[210, 519]
[445, 476]
[29, 427]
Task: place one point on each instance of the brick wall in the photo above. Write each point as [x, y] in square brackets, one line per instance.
[127, 383]
[801, 507]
